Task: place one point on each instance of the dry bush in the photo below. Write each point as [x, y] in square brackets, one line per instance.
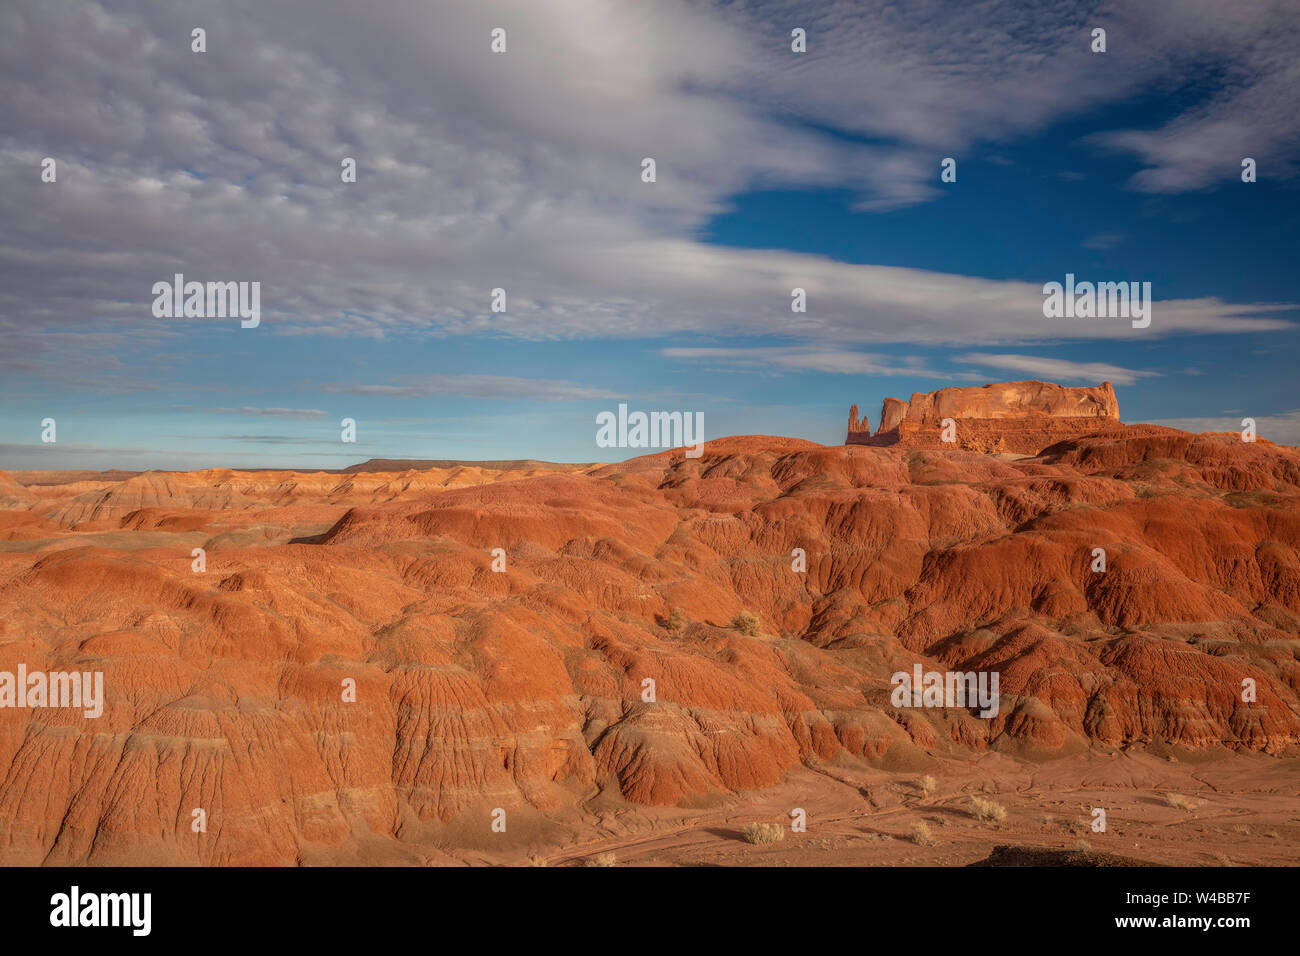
[1180, 802]
[536, 860]
[1083, 846]
[676, 620]
[747, 623]
[987, 811]
[921, 835]
[600, 859]
[926, 783]
[763, 832]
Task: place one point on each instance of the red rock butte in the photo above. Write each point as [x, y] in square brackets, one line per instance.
[1018, 418]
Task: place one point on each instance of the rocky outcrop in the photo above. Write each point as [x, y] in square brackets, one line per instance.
[859, 428]
[892, 411]
[1006, 417]
[1015, 400]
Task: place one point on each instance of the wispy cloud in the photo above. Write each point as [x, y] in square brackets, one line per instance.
[1058, 370]
[1251, 113]
[477, 171]
[803, 359]
[478, 386]
[1103, 240]
[258, 412]
[270, 439]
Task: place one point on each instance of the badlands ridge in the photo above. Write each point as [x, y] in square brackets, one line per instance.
[522, 688]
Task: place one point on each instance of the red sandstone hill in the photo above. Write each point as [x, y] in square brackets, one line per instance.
[1020, 418]
[522, 689]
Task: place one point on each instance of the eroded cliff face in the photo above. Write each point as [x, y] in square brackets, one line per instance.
[522, 686]
[1015, 400]
[892, 411]
[859, 428]
[1006, 417]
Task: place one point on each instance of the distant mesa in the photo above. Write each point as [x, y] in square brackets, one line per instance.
[1019, 418]
[424, 464]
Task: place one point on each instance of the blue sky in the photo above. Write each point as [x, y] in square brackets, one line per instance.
[521, 170]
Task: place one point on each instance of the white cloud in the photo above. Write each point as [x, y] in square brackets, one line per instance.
[1250, 47]
[477, 386]
[258, 412]
[1062, 371]
[1103, 241]
[522, 170]
[802, 359]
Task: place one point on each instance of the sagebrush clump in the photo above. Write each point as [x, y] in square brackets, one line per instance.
[921, 834]
[763, 832]
[987, 811]
[747, 623]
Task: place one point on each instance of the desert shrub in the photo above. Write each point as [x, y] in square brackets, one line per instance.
[600, 859]
[763, 832]
[987, 811]
[746, 622]
[676, 620]
[926, 783]
[921, 834]
[1083, 846]
[1180, 802]
[536, 860]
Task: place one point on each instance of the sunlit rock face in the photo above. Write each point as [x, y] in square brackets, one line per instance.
[1007, 417]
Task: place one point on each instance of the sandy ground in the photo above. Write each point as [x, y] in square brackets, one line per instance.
[1246, 812]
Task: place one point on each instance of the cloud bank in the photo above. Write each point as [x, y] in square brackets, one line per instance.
[522, 170]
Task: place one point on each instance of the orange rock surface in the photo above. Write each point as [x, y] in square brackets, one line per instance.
[1006, 417]
[523, 686]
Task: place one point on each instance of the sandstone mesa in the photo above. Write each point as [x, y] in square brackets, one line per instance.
[1019, 418]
